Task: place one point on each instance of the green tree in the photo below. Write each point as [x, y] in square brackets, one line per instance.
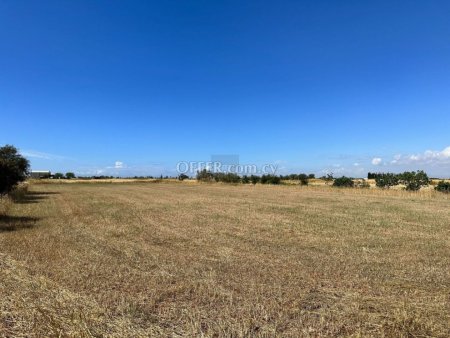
[414, 180]
[386, 180]
[443, 187]
[14, 168]
[183, 177]
[343, 182]
[205, 175]
[70, 175]
[254, 179]
[270, 179]
[231, 178]
[58, 175]
[303, 178]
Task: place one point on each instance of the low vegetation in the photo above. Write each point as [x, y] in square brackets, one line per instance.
[412, 180]
[386, 180]
[209, 176]
[443, 186]
[183, 177]
[344, 182]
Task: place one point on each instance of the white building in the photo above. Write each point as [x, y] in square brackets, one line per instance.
[40, 173]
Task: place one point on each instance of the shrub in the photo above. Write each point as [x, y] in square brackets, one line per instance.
[70, 175]
[443, 187]
[232, 178]
[254, 179]
[183, 177]
[270, 179]
[245, 179]
[58, 175]
[386, 180]
[303, 178]
[343, 182]
[414, 180]
[227, 177]
[205, 175]
[13, 168]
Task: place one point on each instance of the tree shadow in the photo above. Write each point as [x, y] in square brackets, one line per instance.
[11, 223]
[33, 196]
[27, 199]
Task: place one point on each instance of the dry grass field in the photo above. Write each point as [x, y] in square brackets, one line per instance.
[175, 259]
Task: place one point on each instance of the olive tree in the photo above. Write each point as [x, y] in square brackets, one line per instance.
[14, 168]
[414, 180]
[386, 180]
[70, 175]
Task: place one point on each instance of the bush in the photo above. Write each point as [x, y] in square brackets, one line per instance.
[385, 180]
[208, 176]
[343, 182]
[414, 180]
[13, 168]
[232, 178]
[227, 177]
[70, 175]
[270, 179]
[443, 187]
[205, 175]
[183, 177]
[303, 178]
[245, 179]
[58, 175]
[254, 179]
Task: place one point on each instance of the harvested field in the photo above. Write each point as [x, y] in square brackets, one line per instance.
[175, 259]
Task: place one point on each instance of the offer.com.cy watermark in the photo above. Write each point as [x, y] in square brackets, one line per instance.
[225, 164]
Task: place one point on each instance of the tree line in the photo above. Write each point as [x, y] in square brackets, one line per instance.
[209, 176]
[413, 180]
[14, 168]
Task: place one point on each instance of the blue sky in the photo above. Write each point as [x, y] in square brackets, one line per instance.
[133, 87]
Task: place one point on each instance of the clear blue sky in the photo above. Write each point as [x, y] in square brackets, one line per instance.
[344, 86]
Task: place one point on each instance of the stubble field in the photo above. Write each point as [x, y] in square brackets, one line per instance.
[174, 259]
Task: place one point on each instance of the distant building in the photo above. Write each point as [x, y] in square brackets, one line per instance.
[40, 173]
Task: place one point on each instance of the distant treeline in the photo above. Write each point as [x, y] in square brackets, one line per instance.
[103, 177]
[413, 180]
[209, 176]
